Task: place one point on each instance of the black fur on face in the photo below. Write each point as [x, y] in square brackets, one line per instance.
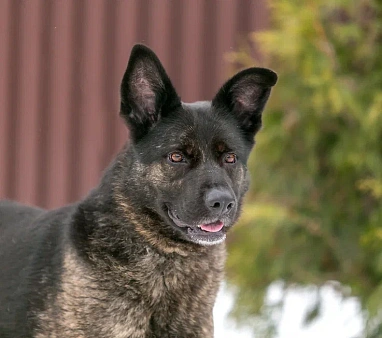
[187, 162]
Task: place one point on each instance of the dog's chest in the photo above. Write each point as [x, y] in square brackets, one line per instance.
[131, 301]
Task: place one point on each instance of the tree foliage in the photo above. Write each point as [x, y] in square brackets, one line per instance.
[314, 213]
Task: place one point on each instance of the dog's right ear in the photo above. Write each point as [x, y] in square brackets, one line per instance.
[146, 92]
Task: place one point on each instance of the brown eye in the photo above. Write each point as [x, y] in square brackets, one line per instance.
[176, 157]
[230, 158]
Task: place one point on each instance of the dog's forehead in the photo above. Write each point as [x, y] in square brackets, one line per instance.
[208, 126]
[197, 128]
[205, 124]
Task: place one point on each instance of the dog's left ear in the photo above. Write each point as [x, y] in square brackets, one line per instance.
[146, 92]
[244, 96]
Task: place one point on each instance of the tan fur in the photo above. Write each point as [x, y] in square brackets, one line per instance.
[81, 296]
[142, 226]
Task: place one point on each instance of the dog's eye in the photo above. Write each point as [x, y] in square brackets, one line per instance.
[176, 157]
[230, 158]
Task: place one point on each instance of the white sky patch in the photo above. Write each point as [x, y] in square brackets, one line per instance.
[339, 318]
[225, 327]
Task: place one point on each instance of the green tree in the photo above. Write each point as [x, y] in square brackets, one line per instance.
[314, 213]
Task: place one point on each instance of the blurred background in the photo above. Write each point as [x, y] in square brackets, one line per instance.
[306, 258]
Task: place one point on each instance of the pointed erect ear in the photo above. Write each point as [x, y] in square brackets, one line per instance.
[244, 96]
[146, 92]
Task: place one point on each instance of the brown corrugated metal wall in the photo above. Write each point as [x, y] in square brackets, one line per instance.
[61, 62]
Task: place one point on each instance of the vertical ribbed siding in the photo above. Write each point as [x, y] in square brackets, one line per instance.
[61, 63]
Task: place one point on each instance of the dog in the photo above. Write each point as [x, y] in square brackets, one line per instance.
[142, 256]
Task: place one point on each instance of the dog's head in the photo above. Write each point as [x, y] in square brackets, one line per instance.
[188, 161]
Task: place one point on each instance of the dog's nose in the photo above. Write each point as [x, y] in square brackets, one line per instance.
[219, 201]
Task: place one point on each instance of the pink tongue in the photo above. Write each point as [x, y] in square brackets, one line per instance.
[212, 227]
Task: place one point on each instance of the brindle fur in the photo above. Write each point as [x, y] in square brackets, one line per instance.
[116, 264]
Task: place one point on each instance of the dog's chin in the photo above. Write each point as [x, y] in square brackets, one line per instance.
[208, 232]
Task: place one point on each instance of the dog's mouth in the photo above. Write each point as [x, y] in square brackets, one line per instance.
[208, 232]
